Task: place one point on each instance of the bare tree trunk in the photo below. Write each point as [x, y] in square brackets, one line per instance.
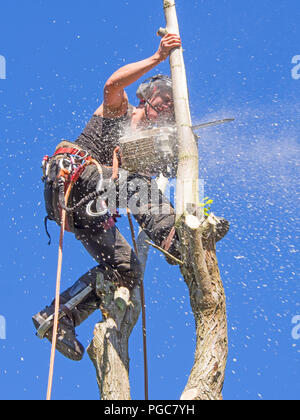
[109, 347]
[209, 307]
[197, 235]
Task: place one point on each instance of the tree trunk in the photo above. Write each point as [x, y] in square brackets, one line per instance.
[197, 236]
[109, 347]
[209, 307]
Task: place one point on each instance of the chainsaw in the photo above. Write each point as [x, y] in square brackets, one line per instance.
[155, 151]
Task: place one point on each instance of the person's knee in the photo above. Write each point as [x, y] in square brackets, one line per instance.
[130, 274]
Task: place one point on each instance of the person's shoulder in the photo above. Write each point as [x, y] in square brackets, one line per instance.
[110, 114]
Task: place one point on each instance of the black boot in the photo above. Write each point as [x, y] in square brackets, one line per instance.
[76, 304]
[67, 344]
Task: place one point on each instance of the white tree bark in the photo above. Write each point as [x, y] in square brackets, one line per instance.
[187, 191]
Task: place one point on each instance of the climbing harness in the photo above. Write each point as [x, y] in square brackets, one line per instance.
[71, 164]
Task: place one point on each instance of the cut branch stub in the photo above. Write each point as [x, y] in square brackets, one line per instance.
[162, 32]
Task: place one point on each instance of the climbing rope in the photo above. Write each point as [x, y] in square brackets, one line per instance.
[143, 311]
[63, 174]
[57, 297]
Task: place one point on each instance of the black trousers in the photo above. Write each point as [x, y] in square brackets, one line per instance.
[151, 209]
[114, 255]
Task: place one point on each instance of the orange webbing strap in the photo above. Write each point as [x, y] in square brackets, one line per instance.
[166, 244]
[58, 275]
[115, 172]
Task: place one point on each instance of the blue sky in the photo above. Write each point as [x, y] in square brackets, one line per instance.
[239, 64]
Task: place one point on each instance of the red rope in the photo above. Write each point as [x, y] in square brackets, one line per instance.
[59, 269]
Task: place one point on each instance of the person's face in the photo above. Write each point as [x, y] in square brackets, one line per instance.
[162, 109]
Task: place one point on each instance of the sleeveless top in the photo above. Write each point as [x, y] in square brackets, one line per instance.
[101, 136]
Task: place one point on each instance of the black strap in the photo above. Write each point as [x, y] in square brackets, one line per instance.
[46, 228]
[67, 311]
[85, 200]
[152, 106]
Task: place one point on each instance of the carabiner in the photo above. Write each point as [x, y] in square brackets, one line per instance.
[82, 158]
[66, 164]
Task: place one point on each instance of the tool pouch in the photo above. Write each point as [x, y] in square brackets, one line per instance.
[51, 196]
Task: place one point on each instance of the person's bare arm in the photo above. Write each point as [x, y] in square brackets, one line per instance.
[115, 102]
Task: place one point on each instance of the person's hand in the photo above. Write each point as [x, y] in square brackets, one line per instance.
[167, 44]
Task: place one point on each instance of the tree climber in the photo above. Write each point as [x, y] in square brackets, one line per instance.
[92, 222]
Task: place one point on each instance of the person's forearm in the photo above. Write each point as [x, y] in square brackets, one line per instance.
[130, 73]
